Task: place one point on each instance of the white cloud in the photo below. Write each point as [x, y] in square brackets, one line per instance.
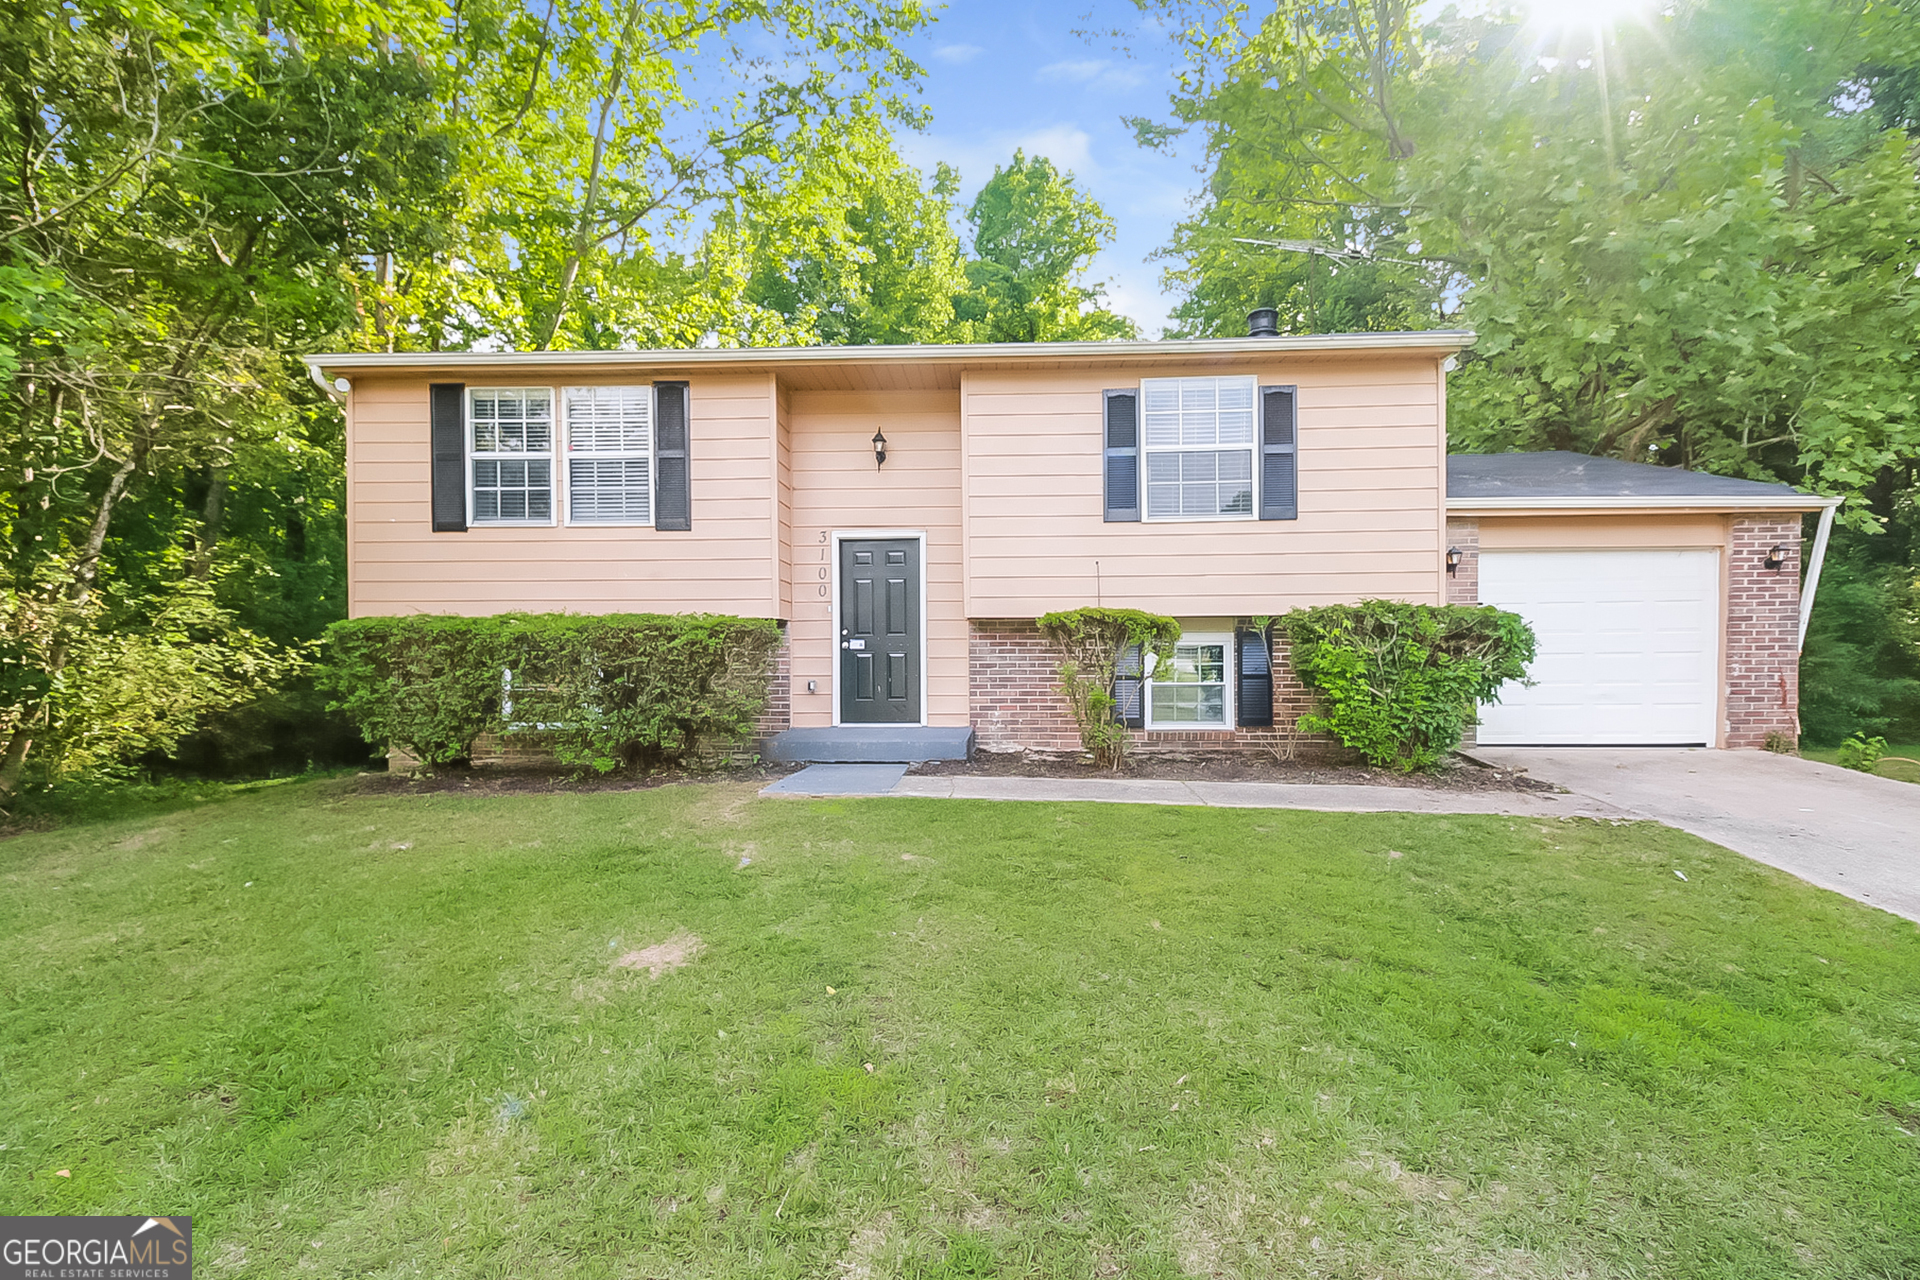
[1068, 145]
[958, 54]
[1094, 73]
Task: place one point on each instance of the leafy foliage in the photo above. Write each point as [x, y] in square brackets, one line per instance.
[1860, 669]
[1034, 235]
[1091, 643]
[601, 692]
[1400, 681]
[1863, 754]
[116, 692]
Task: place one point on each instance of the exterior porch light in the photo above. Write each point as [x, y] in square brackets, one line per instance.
[1453, 560]
[1777, 558]
[879, 450]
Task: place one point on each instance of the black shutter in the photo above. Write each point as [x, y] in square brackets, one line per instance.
[1253, 695]
[1130, 688]
[672, 486]
[447, 410]
[1279, 455]
[1123, 455]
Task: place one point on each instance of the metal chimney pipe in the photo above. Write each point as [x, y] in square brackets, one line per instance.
[1263, 323]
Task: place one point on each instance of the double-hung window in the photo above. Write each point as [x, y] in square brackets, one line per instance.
[1192, 691]
[609, 455]
[1199, 445]
[510, 436]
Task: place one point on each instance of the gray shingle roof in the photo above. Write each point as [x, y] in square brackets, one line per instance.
[1576, 475]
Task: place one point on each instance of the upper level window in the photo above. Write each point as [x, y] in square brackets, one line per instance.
[511, 434]
[609, 455]
[1198, 442]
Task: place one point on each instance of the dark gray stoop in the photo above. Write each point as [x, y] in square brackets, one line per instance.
[871, 744]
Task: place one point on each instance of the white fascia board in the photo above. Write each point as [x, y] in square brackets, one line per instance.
[1436, 340]
[1662, 502]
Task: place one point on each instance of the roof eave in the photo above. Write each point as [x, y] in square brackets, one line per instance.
[1668, 504]
[1437, 342]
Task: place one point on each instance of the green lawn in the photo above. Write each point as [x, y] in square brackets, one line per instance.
[1898, 769]
[386, 1036]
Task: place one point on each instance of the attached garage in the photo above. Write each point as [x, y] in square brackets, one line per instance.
[1629, 647]
[1667, 603]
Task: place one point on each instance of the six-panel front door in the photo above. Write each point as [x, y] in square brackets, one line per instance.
[880, 631]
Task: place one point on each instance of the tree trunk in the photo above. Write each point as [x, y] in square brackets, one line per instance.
[210, 514]
[13, 761]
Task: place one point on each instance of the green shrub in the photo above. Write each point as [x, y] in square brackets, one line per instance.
[1091, 643]
[1864, 754]
[601, 692]
[1399, 682]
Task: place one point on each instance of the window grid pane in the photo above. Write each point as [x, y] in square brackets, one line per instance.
[609, 455]
[511, 429]
[1192, 688]
[1199, 443]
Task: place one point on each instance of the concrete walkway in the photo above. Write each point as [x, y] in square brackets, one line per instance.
[888, 780]
[1850, 832]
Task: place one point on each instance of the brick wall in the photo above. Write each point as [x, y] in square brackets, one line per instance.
[777, 716]
[1763, 631]
[1463, 584]
[1017, 704]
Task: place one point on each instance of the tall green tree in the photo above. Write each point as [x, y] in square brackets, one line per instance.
[1035, 234]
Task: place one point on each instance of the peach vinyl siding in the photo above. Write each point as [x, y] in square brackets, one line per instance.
[726, 564]
[1540, 533]
[837, 489]
[1371, 471]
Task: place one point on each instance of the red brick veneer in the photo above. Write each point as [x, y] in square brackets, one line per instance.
[1763, 631]
[1463, 584]
[1015, 695]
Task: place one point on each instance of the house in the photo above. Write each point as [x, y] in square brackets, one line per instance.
[908, 512]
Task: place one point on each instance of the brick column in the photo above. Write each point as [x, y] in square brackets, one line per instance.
[1463, 584]
[1763, 631]
[777, 715]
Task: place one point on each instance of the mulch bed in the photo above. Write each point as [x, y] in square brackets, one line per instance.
[1461, 773]
[488, 779]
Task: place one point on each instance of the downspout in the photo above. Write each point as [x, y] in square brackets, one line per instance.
[336, 390]
[1812, 586]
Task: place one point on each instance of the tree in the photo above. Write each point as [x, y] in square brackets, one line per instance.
[1688, 241]
[189, 193]
[1034, 236]
[874, 259]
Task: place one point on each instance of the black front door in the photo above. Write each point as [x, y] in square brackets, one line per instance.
[880, 631]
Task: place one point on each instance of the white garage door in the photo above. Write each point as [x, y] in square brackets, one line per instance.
[1629, 647]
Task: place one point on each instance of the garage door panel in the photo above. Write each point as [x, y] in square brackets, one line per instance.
[1629, 644]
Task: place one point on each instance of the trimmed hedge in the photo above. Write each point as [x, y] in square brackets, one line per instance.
[1400, 682]
[601, 691]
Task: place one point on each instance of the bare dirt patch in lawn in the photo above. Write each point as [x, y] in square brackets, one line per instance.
[663, 957]
[1460, 773]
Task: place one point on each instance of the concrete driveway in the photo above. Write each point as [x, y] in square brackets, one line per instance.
[1850, 832]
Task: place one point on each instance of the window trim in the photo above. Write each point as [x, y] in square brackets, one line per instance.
[563, 440]
[1252, 447]
[553, 472]
[1229, 702]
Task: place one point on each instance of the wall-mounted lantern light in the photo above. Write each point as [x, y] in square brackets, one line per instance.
[1777, 558]
[1453, 560]
[879, 450]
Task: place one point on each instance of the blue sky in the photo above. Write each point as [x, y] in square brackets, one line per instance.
[1002, 75]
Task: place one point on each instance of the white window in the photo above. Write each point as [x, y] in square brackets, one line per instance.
[1193, 691]
[609, 455]
[510, 436]
[1199, 447]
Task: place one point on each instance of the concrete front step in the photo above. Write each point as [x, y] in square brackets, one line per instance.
[871, 744]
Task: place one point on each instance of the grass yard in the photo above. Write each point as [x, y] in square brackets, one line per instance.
[1896, 769]
[387, 1036]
